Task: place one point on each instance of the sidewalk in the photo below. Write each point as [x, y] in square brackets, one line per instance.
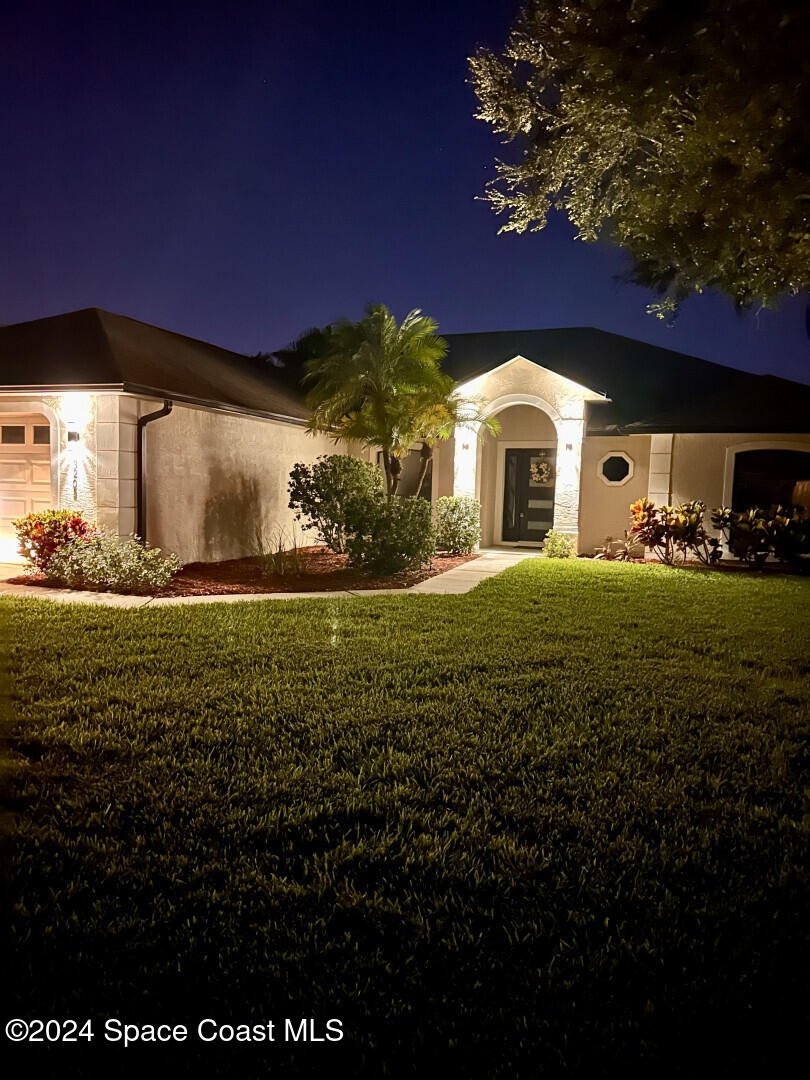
[452, 583]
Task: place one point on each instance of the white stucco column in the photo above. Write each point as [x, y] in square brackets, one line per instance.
[466, 479]
[659, 489]
[570, 433]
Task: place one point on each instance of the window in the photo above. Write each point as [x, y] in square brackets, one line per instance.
[42, 434]
[616, 468]
[13, 433]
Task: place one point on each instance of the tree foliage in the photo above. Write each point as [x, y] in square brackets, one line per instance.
[675, 130]
[433, 413]
[363, 376]
[380, 383]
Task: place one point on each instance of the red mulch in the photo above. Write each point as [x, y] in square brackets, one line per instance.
[323, 572]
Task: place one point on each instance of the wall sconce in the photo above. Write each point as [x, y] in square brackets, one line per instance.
[569, 446]
[74, 440]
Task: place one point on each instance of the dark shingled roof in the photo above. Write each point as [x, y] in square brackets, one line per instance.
[92, 348]
[650, 389]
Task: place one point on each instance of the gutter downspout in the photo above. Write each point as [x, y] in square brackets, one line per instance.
[140, 527]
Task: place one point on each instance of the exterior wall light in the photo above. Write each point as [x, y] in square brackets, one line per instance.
[73, 436]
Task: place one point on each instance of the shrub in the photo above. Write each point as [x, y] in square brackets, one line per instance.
[754, 534]
[106, 561]
[393, 534]
[328, 494]
[279, 554]
[458, 524]
[673, 531]
[558, 546]
[41, 535]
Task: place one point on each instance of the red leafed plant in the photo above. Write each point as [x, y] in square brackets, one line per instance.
[673, 531]
[41, 534]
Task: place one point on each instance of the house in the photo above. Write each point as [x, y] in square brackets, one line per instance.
[191, 445]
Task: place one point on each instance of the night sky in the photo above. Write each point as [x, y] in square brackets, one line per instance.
[241, 171]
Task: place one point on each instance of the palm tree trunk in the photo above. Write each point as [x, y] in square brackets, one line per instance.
[396, 471]
[426, 454]
[387, 470]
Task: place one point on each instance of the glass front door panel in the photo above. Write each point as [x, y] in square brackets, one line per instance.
[528, 502]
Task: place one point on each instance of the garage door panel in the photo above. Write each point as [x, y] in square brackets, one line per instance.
[14, 472]
[11, 508]
[41, 473]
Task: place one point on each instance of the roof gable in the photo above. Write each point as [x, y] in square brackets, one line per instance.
[95, 348]
[473, 384]
[649, 388]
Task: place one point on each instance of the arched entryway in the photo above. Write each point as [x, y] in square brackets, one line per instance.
[518, 474]
[25, 473]
[479, 462]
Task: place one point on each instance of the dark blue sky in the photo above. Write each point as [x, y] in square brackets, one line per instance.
[242, 171]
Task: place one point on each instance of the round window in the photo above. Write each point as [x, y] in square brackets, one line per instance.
[616, 468]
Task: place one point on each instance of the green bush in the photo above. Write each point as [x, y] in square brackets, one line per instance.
[558, 546]
[673, 531]
[393, 534]
[106, 561]
[327, 495]
[754, 534]
[458, 524]
[42, 534]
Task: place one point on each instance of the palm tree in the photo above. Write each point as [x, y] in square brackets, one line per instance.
[436, 412]
[364, 377]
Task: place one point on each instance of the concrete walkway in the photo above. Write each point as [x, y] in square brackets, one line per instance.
[451, 583]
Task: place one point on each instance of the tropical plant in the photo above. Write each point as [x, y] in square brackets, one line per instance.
[362, 377]
[558, 546]
[614, 550]
[675, 130]
[673, 532]
[103, 560]
[326, 494]
[42, 534]
[754, 534]
[393, 534]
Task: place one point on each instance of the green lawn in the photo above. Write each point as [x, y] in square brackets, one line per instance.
[558, 824]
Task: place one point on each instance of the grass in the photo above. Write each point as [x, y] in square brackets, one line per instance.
[556, 825]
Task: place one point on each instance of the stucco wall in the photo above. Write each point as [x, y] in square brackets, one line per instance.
[214, 477]
[443, 455]
[604, 508]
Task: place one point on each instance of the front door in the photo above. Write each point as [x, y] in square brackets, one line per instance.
[528, 494]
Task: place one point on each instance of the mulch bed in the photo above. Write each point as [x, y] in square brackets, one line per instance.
[323, 572]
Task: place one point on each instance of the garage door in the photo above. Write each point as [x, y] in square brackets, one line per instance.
[771, 477]
[25, 473]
